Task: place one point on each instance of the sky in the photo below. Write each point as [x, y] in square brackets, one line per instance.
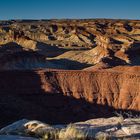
[77, 9]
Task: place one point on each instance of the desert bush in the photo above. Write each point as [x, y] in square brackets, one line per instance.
[72, 133]
[51, 135]
[102, 136]
[68, 133]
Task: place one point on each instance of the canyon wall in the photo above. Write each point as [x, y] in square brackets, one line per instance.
[117, 89]
[120, 90]
[67, 96]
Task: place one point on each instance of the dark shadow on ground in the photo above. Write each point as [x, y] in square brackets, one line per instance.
[52, 50]
[70, 64]
[49, 50]
[134, 56]
[10, 47]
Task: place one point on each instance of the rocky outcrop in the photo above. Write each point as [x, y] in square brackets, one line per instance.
[111, 128]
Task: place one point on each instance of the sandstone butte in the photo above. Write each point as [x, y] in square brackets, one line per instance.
[62, 71]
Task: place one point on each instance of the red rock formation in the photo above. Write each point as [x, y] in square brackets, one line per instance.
[106, 87]
[112, 87]
[64, 96]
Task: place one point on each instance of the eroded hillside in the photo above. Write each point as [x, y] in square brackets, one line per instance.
[82, 41]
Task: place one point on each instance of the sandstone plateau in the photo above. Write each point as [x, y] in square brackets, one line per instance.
[62, 71]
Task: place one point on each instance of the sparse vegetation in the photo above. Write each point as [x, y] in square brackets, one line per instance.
[68, 133]
[51, 135]
[71, 132]
[102, 136]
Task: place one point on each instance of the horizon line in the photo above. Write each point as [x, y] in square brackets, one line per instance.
[68, 19]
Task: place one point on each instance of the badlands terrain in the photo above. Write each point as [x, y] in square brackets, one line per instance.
[62, 71]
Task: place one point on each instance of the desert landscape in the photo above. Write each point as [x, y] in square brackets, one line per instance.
[70, 71]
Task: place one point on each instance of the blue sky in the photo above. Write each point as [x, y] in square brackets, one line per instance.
[47, 9]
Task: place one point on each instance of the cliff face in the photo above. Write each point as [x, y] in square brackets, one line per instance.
[67, 96]
[105, 87]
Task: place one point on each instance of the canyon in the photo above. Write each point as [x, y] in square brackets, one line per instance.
[62, 71]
